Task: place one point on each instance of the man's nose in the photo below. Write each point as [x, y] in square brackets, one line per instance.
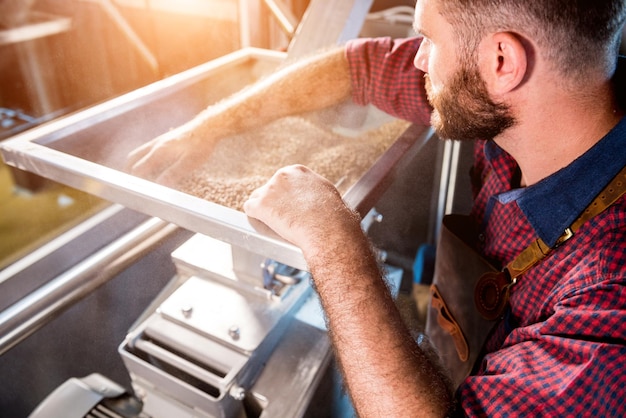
[421, 58]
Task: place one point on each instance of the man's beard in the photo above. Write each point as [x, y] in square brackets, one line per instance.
[463, 109]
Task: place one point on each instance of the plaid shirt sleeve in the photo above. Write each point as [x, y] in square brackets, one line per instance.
[383, 75]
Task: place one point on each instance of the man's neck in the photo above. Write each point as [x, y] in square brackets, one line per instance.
[548, 138]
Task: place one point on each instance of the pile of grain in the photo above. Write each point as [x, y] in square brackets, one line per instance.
[242, 163]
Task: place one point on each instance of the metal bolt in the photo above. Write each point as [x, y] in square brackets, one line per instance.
[234, 332]
[187, 310]
[237, 392]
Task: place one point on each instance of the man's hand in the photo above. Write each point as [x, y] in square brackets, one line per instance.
[169, 157]
[302, 207]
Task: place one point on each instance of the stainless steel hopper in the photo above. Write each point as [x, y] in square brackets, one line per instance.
[87, 150]
[222, 335]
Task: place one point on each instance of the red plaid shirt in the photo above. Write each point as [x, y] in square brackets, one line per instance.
[562, 350]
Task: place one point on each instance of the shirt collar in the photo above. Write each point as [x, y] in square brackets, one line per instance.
[554, 203]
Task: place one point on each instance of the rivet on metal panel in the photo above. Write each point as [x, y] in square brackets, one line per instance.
[237, 392]
[234, 332]
[187, 310]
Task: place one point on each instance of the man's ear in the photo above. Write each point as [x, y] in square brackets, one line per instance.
[504, 62]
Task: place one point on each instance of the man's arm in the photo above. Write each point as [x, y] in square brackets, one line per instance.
[386, 372]
[310, 84]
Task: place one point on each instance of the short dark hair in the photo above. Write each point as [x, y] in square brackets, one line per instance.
[572, 34]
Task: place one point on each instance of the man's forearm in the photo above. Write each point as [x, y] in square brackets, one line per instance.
[386, 372]
[310, 84]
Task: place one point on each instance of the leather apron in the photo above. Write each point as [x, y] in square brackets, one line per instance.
[454, 325]
[469, 296]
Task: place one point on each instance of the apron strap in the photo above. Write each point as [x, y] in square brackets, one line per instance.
[491, 293]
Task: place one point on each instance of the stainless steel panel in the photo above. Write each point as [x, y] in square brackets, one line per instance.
[87, 150]
[342, 20]
[215, 310]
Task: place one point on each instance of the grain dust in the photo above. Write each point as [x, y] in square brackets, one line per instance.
[242, 163]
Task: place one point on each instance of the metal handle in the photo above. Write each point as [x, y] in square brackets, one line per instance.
[221, 384]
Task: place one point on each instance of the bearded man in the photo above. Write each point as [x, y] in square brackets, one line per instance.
[537, 85]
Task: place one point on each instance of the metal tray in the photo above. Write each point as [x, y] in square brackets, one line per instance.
[87, 150]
